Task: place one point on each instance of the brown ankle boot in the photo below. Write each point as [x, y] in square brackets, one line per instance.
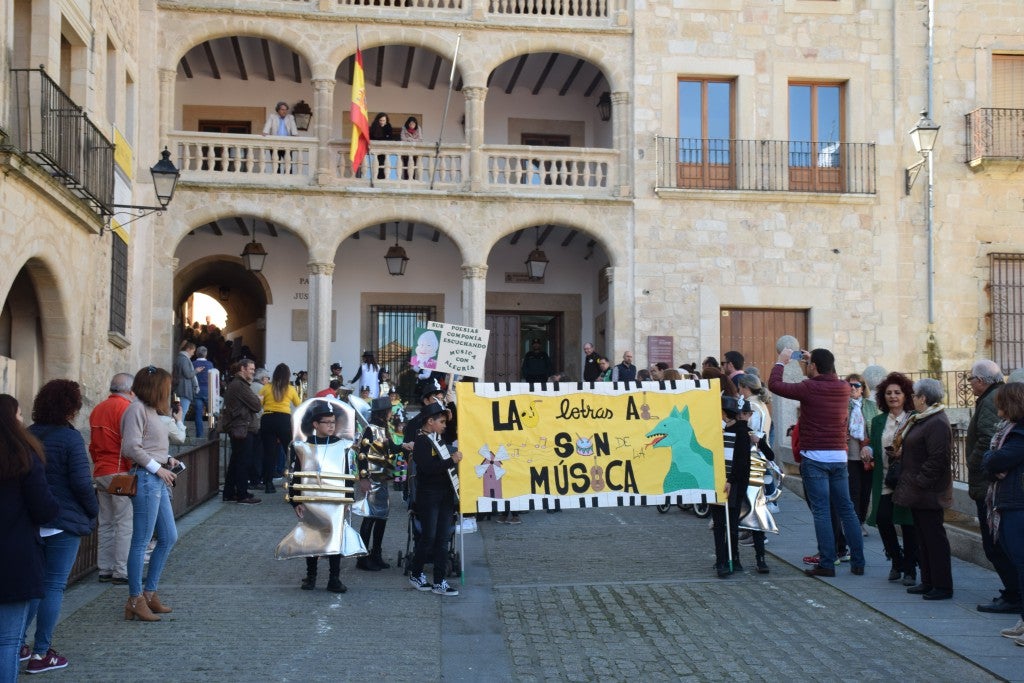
[154, 603]
[137, 607]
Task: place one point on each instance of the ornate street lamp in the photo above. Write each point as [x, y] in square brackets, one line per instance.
[396, 258]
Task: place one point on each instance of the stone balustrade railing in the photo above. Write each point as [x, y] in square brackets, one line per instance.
[550, 169]
[244, 158]
[405, 163]
[593, 13]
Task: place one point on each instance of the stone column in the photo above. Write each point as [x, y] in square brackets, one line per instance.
[612, 334]
[323, 119]
[621, 138]
[321, 280]
[474, 295]
[166, 116]
[475, 136]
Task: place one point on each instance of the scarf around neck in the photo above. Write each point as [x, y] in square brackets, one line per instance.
[902, 431]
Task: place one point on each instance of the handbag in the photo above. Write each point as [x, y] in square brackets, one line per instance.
[123, 484]
[892, 475]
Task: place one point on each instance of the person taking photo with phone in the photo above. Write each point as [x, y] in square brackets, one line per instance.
[145, 440]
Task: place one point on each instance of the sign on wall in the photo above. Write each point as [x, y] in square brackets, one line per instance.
[581, 445]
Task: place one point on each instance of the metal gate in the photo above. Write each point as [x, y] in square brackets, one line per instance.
[392, 337]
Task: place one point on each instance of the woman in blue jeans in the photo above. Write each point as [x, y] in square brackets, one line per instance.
[25, 505]
[1004, 466]
[144, 439]
[70, 478]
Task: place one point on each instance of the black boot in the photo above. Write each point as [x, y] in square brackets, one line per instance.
[722, 570]
[366, 564]
[762, 566]
[895, 573]
[376, 561]
[309, 582]
[335, 585]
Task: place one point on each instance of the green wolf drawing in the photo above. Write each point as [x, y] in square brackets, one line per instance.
[693, 465]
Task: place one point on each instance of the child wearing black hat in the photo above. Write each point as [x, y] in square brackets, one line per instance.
[376, 443]
[737, 439]
[435, 499]
[323, 425]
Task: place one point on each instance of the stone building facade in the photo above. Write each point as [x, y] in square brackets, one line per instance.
[698, 173]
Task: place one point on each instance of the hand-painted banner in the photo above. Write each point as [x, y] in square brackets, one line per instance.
[577, 445]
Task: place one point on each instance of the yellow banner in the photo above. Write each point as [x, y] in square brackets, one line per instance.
[589, 445]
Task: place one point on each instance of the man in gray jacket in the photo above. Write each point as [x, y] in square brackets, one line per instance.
[985, 379]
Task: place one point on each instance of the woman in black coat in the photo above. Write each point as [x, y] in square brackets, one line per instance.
[25, 504]
[925, 446]
[381, 129]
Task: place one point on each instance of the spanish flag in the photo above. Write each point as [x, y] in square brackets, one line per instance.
[360, 121]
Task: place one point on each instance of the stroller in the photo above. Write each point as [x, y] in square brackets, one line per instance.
[454, 568]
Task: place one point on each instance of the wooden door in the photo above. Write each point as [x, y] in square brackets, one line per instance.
[503, 360]
[754, 331]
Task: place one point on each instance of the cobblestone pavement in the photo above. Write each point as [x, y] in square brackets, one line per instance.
[630, 595]
[591, 595]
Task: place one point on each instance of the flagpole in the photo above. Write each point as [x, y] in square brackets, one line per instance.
[447, 102]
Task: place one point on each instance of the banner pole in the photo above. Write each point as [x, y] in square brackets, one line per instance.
[728, 536]
[462, 551]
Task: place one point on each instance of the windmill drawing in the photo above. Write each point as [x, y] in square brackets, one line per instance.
[491, 471]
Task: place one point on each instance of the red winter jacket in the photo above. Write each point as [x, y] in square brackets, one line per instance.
[824, 409]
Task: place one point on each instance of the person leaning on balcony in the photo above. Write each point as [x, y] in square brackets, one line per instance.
[381, 129]
[280, 123]
[411, 133]
[986, 380]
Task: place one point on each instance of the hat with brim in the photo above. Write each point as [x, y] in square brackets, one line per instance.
[429, 387]
[380, 404]
[433, 410]
[321, 409]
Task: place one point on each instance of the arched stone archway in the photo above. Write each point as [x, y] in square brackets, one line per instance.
[570, 305]
[34, 333]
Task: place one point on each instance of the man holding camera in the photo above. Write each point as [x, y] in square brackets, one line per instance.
[824, 404]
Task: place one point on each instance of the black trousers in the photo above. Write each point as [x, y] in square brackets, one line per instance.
[721, 549]
[434, 510]
[933, 549]
[860, 487]
[238, 467]
[905, 557]
[275, 433]
[998, 557]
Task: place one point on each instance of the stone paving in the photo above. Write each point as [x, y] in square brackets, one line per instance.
[586, 595]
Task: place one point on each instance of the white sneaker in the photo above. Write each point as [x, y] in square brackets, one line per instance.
[420, 582]
[864, 530]
[1015, 631]
[444, 589]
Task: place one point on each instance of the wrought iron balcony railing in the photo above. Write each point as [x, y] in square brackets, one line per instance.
[995, 134]
[766, 165]
[54, 131]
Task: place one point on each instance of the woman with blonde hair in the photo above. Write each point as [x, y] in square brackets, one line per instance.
[145, 439]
